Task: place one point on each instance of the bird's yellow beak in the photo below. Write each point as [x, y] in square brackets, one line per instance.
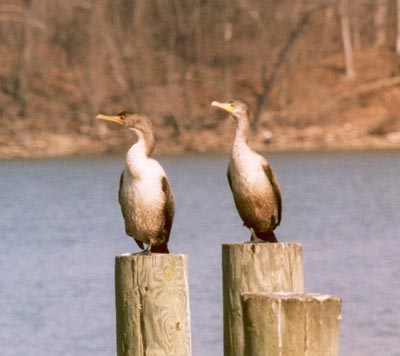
[228, 107]
[113, 118]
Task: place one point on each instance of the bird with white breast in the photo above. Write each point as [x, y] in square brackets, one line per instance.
[145, 194]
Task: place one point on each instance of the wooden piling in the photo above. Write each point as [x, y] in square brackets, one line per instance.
[287, 324]
[152, 305]
[255, 267]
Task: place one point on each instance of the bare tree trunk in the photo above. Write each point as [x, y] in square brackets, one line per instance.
[116, 38]
[357, 9]
[170, 63]
[262, 11]
[326, 32]
[96, 56]
[197, 36]
[181, 22]
[228, 33]
[187, 95]
[346, 38]
[24, 64]
[380, 23]
[277, 65]
[141, 38]
[398, 29]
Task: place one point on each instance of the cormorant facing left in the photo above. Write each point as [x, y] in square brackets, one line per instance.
[254, 185]
[145, 195]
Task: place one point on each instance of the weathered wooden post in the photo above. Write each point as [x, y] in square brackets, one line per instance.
[152, 305]
[287, 324]
[255, 267]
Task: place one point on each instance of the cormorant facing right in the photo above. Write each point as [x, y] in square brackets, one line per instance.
[254, 185]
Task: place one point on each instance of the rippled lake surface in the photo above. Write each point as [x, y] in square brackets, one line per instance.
[60, 228]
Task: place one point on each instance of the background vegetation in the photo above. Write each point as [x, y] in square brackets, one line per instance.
[316, 74]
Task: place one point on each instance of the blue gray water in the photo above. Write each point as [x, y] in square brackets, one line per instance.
[60, 228]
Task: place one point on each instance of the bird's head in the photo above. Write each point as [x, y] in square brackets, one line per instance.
[236, 108]
[133, 121]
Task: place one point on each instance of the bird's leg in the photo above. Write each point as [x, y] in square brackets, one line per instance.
[254, 237]
[147, 251]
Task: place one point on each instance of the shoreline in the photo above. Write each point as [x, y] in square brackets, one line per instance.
[66, 146]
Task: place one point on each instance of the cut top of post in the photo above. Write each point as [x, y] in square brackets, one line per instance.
[291, 324]
[315, 297]
[264, 267]
[255, 267]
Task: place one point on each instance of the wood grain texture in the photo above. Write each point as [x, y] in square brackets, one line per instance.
[255, 267]
[287, 324]
[152, 305]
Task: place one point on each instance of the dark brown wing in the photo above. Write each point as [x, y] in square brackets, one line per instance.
[169, 207]
[228, 174]
[125, 208]
[246, 221]
[275, 187]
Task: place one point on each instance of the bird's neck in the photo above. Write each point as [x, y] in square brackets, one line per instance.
[143, 148]
[241, 136]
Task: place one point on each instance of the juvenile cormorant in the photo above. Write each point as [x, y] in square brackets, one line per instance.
[145, 195]
[254, 185]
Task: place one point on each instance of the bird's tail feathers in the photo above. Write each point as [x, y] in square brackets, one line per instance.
[267, 236]
[163, 248]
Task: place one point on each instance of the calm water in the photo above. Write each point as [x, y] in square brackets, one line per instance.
[60, 228]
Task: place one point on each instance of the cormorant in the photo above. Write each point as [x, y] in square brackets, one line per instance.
[145, 195]
[254, 185]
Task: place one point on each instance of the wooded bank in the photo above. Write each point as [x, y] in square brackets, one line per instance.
[61, 63]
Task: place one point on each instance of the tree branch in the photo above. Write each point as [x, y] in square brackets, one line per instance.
[280, 60]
